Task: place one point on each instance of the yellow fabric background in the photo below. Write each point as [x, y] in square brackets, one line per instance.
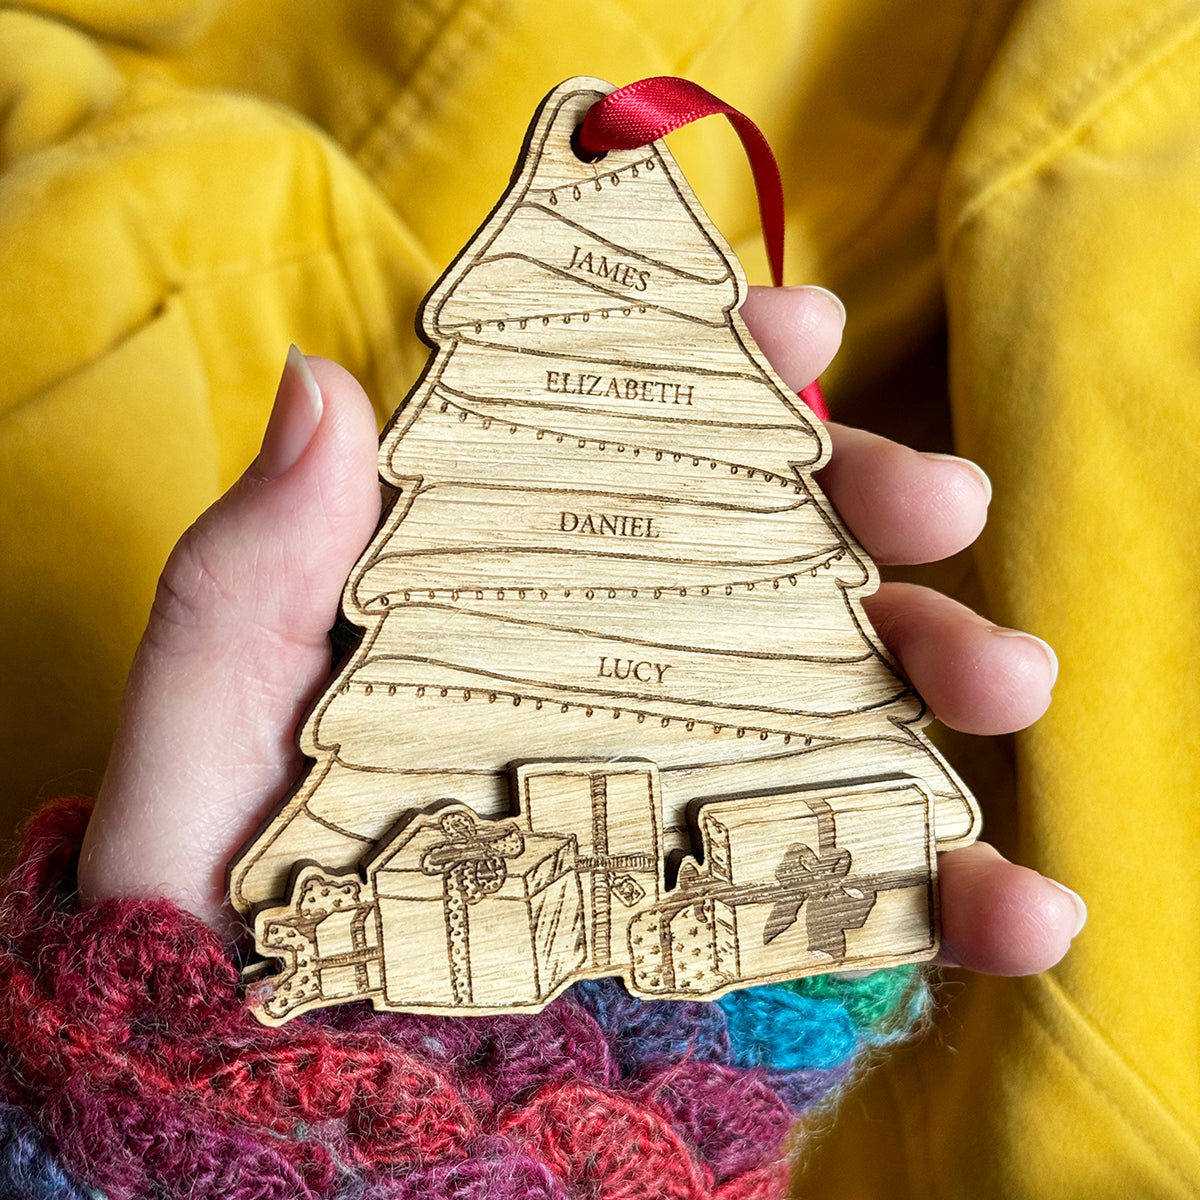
[188, 185]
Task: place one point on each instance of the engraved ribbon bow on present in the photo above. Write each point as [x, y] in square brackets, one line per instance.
[474, 862]
[817, 880]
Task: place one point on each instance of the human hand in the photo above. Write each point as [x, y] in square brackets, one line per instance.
[236, 649]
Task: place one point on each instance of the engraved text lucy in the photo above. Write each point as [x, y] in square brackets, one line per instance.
[623, 668]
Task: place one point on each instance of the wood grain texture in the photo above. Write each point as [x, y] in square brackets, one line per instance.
[606, 547]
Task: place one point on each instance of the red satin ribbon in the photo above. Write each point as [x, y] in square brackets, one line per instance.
[649, 109]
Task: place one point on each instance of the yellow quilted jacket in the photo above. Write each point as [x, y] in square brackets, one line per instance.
[188, 185]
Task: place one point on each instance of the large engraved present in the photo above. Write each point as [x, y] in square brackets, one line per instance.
[500, 906]
[792, 884]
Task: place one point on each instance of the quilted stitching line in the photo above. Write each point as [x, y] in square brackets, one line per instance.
[1145, 1134]
[394, 128]
[1024, 157]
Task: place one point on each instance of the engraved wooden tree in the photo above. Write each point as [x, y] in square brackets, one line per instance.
[606, 544]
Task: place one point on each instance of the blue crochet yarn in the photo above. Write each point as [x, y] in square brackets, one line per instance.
[802, 1091]
[774, 1027]
[642, 1032]
[27, 1170]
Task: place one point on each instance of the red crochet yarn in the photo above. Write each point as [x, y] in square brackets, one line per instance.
[583, 1133]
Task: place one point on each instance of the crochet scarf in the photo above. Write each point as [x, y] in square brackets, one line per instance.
[130, 1068]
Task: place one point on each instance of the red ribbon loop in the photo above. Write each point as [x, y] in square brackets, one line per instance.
[649, 109]
[645, 111]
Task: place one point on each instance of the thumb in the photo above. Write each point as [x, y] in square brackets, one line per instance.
[235, 651]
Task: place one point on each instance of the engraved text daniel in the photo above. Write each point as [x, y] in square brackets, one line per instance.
[611, 524]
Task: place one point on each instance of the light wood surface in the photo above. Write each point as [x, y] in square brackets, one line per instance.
[607, 560]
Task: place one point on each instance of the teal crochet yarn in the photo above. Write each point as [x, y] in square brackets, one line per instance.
[774, 1027]
[885, 1006]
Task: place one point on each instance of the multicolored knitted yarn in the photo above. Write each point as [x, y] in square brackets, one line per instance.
[130, 1068]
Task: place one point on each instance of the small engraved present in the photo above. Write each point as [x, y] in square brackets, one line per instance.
[613, 810]
[328, 940]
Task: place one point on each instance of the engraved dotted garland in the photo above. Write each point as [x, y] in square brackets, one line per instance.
[823, 561]
[589, 708]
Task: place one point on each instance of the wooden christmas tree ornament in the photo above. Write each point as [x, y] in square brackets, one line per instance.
[617, 709]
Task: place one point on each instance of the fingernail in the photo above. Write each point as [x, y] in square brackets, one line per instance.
[294, 418]
[976, 470]
[1081, 912]
[1045, 648]
[820, 291]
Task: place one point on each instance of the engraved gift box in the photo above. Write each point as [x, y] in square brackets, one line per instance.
[795, 883]
[328, 940]
[448, 873]
[613, 812]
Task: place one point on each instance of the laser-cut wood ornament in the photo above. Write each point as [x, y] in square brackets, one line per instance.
[609, 617]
